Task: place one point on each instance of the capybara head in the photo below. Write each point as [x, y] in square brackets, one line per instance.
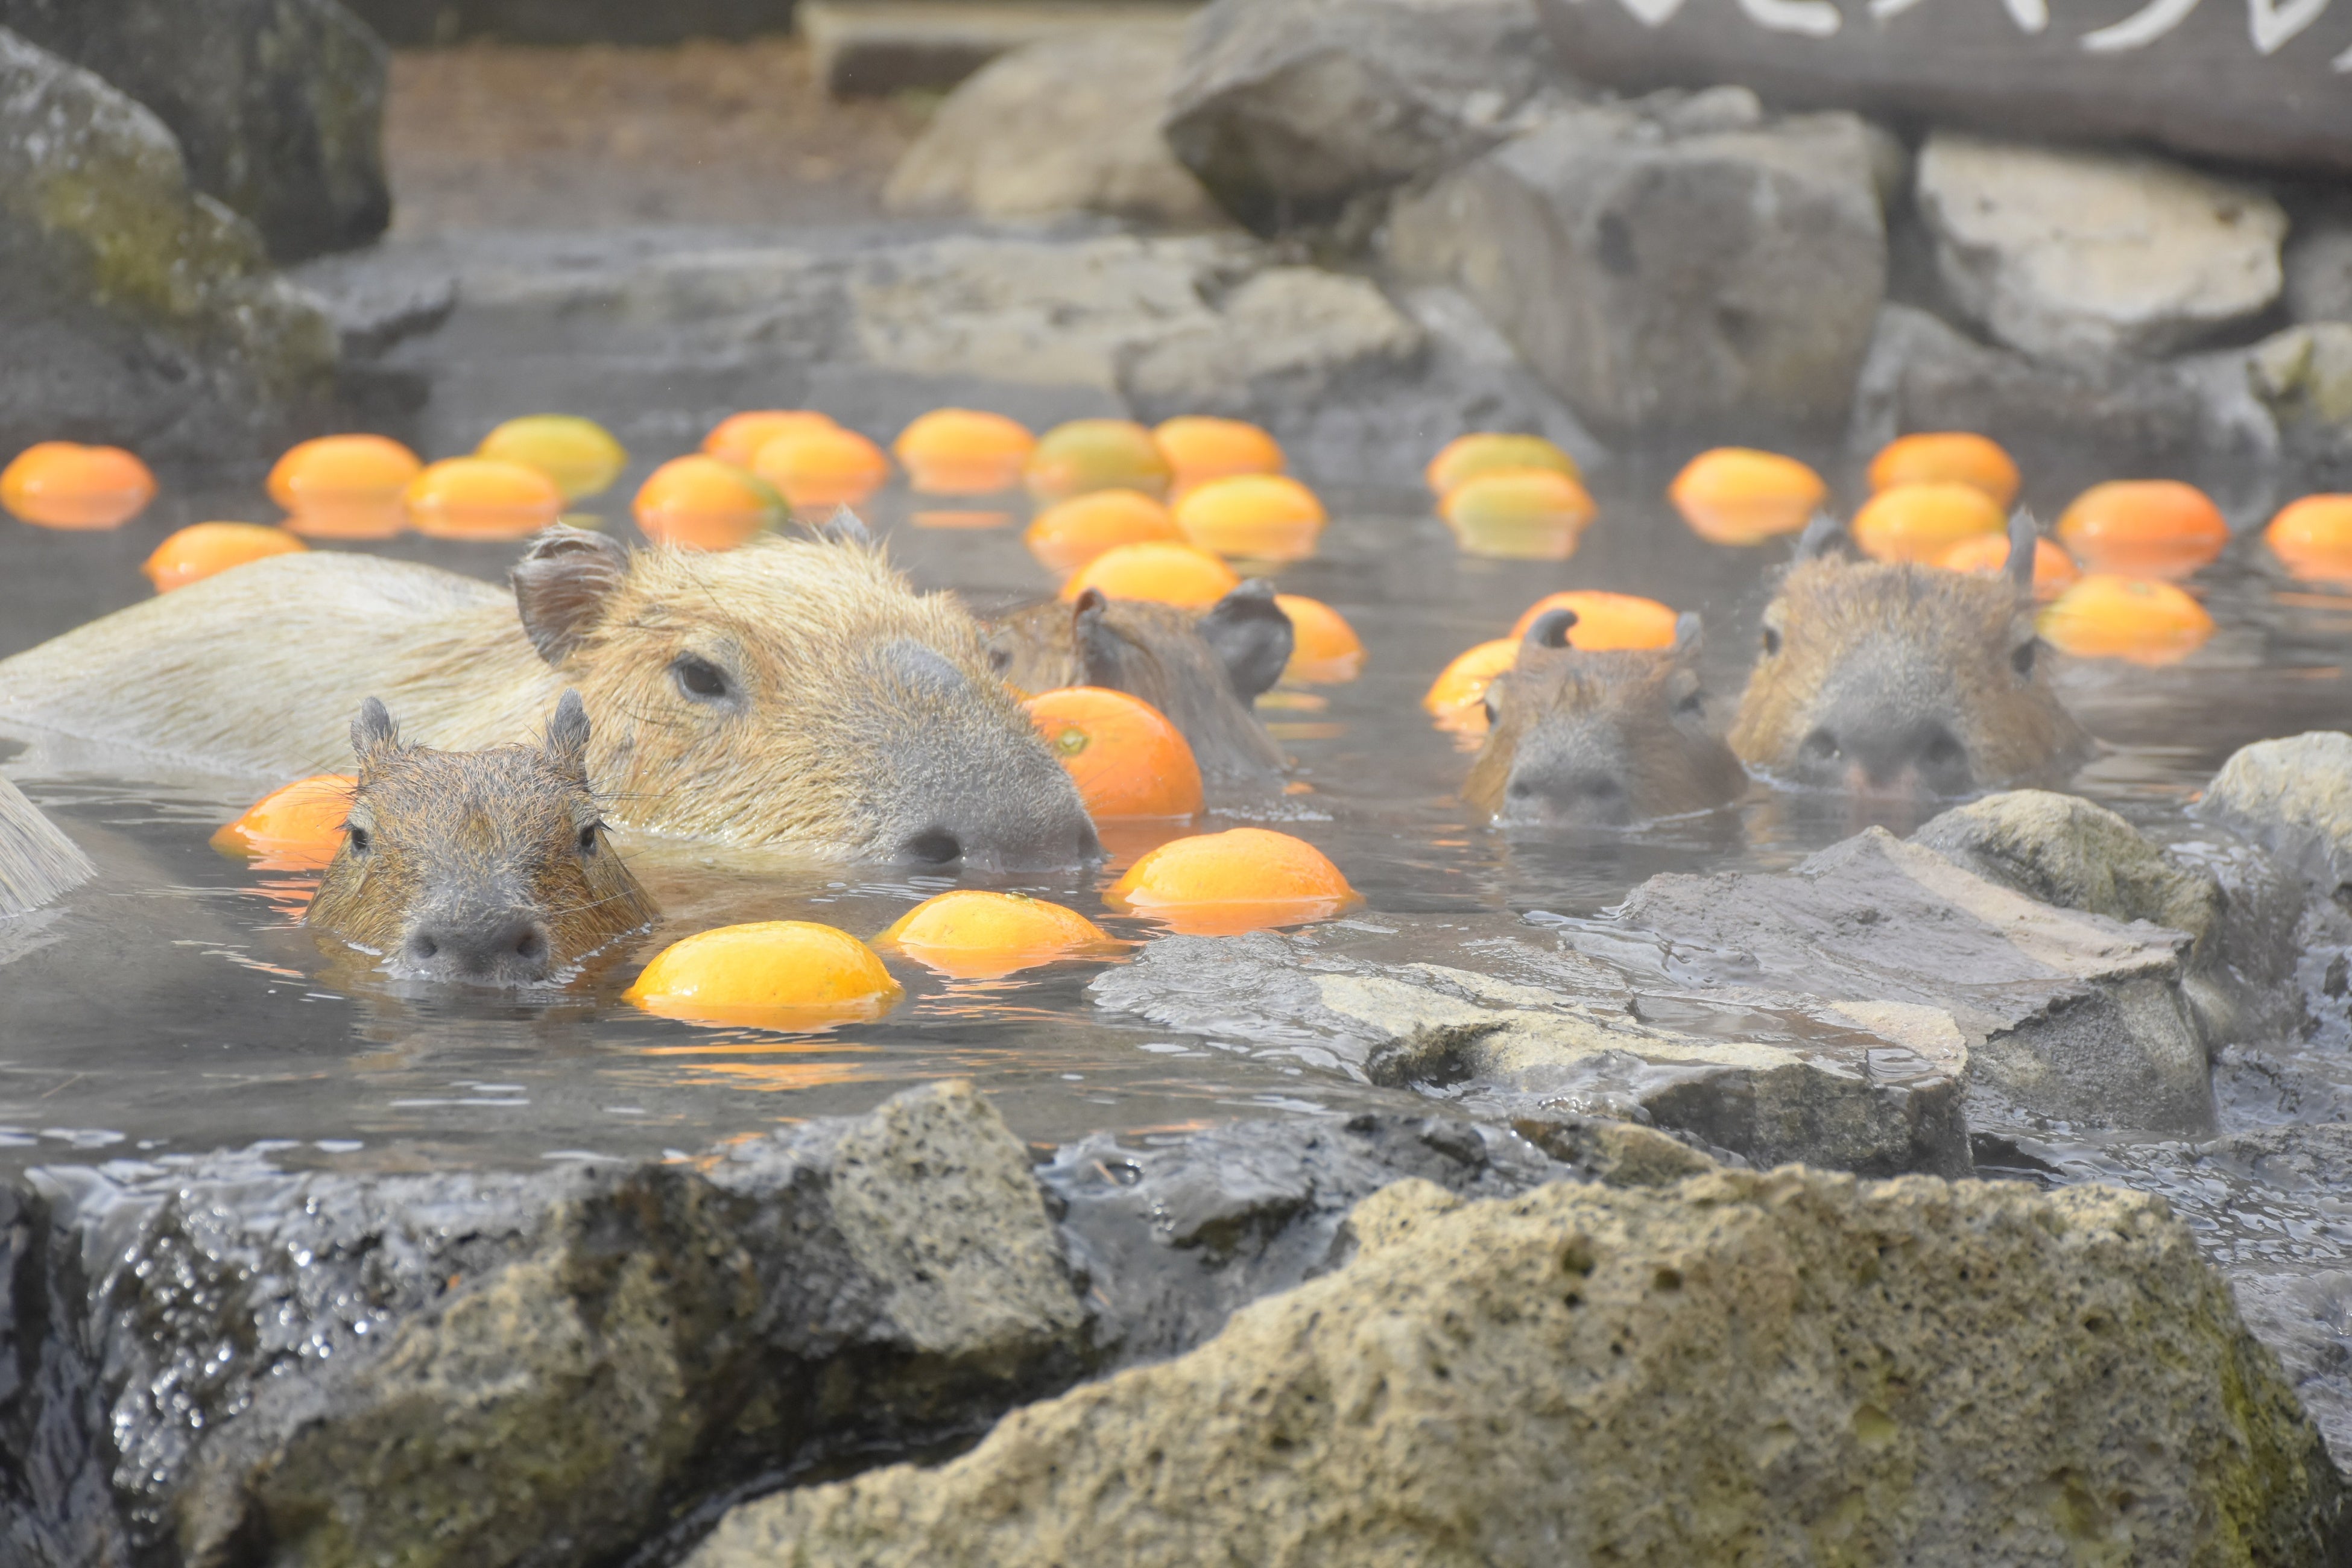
[1202, 670]
[1902, 679]
[1600, 738]
[799, 691]
[484, 867]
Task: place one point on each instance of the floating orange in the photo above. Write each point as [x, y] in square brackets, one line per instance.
[737, 439]
[345, 487]
[776, 974]
[1199, 449]
[1095, 455]
[972, 935]
[1605, 620]
[1218, 884]
[58, 484]
[1323, 648]
[1518, 514]
[1737, 495]
[1262, 517]
[1068, 535]
[701, 503]
[2313, 537]
[818, 469]
[1125, 756]
[2144, 528]
[1920, 522]
[202, 549]
[1467, 457]
[1457, 697]
[295, 827]
[964, 452]
[1171, 574]
[482, 498]
[580, 455]
[1947, 457]
[2106, 616]
[1987, 554]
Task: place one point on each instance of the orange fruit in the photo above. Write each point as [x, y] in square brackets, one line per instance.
[701, 503]
[1467, 457]
[971, 935]
[1518, 514]
[2144, 528]
[1068, 535]
[58, 484]
[1124, 755]
[2106, 616]
[1095, 455]
[816, 470]
[1200, 448]
[1920, 522]
[2053, 569]
[2313, 537]
[776, 974]
[1247, 879]
[579, 455]
[1947, 457]
[1323, 648]
[202, 549]
[1171, 574]
[1263, 517]
[737, 439]
[295, 827]
[964, 452]
[1737, 495]
[1457, 697]
[345, 487]
[482, 498]
[1605, 620]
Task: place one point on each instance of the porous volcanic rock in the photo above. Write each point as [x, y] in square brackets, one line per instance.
[1771, 1368]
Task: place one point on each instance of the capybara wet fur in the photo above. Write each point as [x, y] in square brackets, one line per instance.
[487, 867]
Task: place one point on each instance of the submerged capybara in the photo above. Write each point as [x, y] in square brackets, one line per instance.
[1600, 738]
[791, 692]
[1903, 679]
[37, 863]
[487, 867]
[1202, 668]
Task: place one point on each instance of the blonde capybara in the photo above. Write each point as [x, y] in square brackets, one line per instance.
[1898, 680]
[792, 692]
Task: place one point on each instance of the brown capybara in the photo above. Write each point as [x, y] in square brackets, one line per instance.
[1898, 679]
[1605, 738]
[487, 867]
[37, 863]
[792, 692]
[1202, 670]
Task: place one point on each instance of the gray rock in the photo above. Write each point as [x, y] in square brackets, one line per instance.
[2292, 796]
[1678, 263]
[278, 104]
[1286, 335]
[38, 865]
[1912, 1371]
[1071, 125]
[2073, 255]
[2304, 376]
[2318, 264]
[137, 311]
[874, 47]
[1290, 111]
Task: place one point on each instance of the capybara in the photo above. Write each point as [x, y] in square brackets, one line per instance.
[37, 863]
[487, 867]
[1202, 670]
[1891, 678]
[792, 691]
[1604, 738]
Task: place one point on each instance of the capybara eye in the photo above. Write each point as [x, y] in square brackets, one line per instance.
[1493, 713]
[700, 678]
[2021, 658]
[361, 841]
[588, 838]
[1771, 642]
[1694, 703]
[1000, 659]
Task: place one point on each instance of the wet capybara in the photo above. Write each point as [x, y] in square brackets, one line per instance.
[1603, 738]
[1900, 679]
[1202, 668]
[487, 867]
[37, 863]
[791, 692]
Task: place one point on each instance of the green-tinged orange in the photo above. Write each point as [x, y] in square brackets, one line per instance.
[1095, 455]
[580, 455]
[1487, 452]
[1518, 514]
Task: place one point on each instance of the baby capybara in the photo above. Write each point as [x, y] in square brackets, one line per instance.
[487, 867]
[1605, 738]
[1893, 679]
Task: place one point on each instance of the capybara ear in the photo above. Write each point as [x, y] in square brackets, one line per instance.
[561, 585]
[373, 733]
[1822, 536]
[1096, 644]
[1250, 636]
[1690, 633]
[1550, 629]
[567, 735]
[2024, 534]
[845, 527]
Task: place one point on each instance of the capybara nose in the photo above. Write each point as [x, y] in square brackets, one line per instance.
[1051, 841]
[1570, 797]
[501, 947]
[1921, 756]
